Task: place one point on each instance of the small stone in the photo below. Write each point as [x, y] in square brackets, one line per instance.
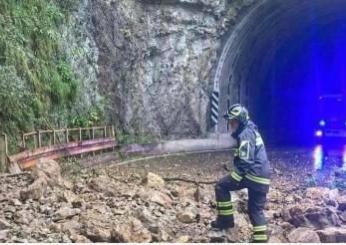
[154, 181]
[332, 235]
[4, 224]
[188, 215]
[303, 235]
[65, 213]
[183, 239]
[131, 231]
[3, 235]
[23, 217]
[16, 202]
[76, 238]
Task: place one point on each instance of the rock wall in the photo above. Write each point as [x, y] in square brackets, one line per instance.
[154, 59]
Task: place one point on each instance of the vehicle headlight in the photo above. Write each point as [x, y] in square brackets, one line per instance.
[319, 133]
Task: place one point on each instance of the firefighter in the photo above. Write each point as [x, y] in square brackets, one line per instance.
[251, 171]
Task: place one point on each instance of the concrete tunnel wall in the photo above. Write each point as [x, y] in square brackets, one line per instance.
[247, 65]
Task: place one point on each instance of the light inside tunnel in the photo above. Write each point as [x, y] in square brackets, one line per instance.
[322, 123]
[318, 157]
[344, 159]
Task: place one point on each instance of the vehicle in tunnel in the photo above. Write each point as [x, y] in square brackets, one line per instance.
[330, 133]
[331, 112]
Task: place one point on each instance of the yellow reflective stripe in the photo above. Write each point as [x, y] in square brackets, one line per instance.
[236, 176]
[260, 228]
[259, 140]
[259, 180]
[260, 237]
[224, 204]
[244, 154]
[226, 212]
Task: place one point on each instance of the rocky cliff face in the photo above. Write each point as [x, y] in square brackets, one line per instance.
[153, 59]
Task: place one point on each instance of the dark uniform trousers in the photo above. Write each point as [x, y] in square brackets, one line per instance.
[256, 203]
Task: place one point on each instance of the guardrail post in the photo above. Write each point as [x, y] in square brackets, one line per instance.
[80, 134]
[54, 137]
[3, 153]
[105, 132]
[23, 139]
[93, 132]
[39, 138]
[113, 132]
[66, 135]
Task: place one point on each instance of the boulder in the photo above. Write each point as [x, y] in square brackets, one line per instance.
[188, 215]
[131, 231]
[303, 235]
[76, 238]
[4, 224]
[183, 239]
[341, 200]
[104, 185]
[65, 213]
[48, 170]
[34, 191]
[307, 215]
[321, 193]
[154, 181]
[332, 234]
[95, 226]
[23, 217]
[155, 196]
[4, 236]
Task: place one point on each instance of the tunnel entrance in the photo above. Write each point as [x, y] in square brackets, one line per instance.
[279, 60]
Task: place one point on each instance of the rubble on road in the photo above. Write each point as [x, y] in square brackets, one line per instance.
[121, 204]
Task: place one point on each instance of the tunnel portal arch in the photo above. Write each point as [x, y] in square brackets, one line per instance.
[251, 54]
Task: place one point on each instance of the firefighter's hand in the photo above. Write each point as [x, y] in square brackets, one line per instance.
[225, 166]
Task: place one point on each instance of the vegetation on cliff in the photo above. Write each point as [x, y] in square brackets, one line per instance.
[38, 87]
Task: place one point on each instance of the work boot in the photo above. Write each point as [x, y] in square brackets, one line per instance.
[223, 223]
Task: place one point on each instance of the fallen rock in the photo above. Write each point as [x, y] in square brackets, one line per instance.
[154, 181]
[65, 213]
[3, 235]
[332, 234]
[310, 216]
[23, 217]
[4, 224]
[131, 231]
[303, 235]
[183, 239]
[341, 200]
[105, 185]
[15, 202]
[34, 191]
[48, 170]
[188, 215]
[96, 227]
[276, 239]
[321, 193]
[76, 238]
[154, 196]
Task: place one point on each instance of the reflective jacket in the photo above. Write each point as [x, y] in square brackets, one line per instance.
[250, 161]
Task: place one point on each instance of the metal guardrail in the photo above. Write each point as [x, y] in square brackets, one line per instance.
[57, 143]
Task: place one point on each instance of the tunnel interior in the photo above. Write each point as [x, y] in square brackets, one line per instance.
[282, 57]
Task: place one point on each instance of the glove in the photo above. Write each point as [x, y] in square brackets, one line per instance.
[225, 166]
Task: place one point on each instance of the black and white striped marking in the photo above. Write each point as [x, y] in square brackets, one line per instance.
[215, 107]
